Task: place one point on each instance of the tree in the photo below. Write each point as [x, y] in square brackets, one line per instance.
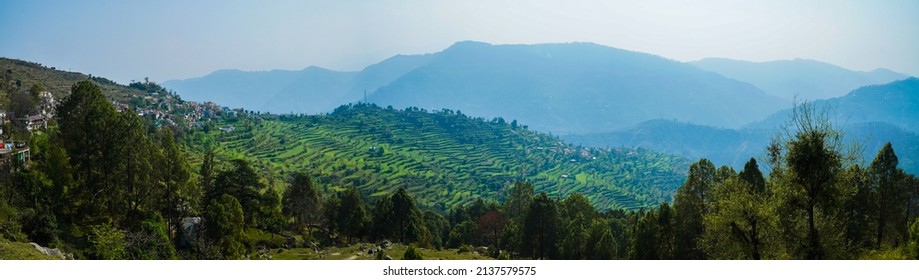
[576, 216]
[859, 210]
[490, 226]
[885, 182]
[302, 201]
[462, 234]
[406, 218]
[601, 245]
[89, 131]
[540, 228]
[645, 237]
[439, 228]
[689, 203]
[35, 91]
[225, 222]
[330, 208]
[518, 200]
[352, 216]
[813, 163]
[180, 194]
[242, 183]
[741, 220]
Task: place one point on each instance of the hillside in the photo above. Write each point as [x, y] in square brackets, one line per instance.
[896, 103]
[734, 147]
[58, 82]
[574, 88]
[556, 88]
[720, 145]
[443, 158]
[806, 79]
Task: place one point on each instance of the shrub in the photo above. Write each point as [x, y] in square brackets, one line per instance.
[412, 254]
[465, 248]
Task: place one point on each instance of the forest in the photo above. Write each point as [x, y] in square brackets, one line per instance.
[109, 184]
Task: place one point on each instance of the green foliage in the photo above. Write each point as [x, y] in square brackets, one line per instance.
[689, 203]
[11, 250]
[541, 229]
[462, 233]
[412, 253]
[108, 243]
[302, 201]
[224, 224]
[149, 240]
[465, 248]
[406, 218]
[10, 228]
[461, 157]
[439, 228]
[912, 248]
[352, 218]
[891, 196]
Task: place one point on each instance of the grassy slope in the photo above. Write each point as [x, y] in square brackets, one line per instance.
[59, 82]
[20, 251]
[444, 159]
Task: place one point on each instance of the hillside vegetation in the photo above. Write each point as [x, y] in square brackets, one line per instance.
[444, 158]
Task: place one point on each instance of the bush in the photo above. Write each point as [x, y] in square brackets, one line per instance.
[148, 240]
[9, 226]
[412, 254]
[108, 242]
[465, 248]
[40, 226]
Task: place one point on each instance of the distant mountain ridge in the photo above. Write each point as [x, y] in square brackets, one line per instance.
[871, 116]
[896, 103]
[798, 78]
[311, 90]
[558, 88]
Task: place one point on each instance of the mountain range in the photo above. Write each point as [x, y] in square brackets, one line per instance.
[801, 79]
[570, 88]
[869, 116]
[557, 88]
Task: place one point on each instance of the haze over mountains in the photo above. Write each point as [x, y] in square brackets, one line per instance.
[558, 88]
[801, 78]
[871, 116]
[721, 109]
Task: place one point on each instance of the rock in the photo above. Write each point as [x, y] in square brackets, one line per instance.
[52, 252]
[387, 257]
[482, 250]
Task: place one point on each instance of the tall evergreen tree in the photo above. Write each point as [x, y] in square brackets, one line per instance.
[690, 204]
[885, 182]
[541, 228]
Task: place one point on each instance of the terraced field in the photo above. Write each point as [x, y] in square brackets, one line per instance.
[443, 158]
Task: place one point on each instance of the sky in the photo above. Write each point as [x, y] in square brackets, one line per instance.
[164, 40]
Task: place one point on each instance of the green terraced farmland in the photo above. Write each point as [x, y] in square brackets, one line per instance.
[443, 158]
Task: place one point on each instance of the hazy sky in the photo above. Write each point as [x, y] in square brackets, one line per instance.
[125, 40]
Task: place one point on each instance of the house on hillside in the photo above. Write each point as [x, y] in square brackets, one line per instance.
[227, 129]
[46, 104]
[32, 123]
[18, 152]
